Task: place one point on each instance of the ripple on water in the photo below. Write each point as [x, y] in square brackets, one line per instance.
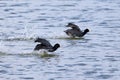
[3, 4]
[90, 72]
[27, 78]
[81, 64]
[112, 58]
[104, 76]
[90, 58]
[8, 9]
[3, 72]
[114, 70]
[20, 5]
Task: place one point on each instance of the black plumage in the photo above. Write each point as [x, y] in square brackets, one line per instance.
[44, 44]
[75, 31]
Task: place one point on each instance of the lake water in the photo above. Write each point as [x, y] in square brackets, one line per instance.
[96, 56]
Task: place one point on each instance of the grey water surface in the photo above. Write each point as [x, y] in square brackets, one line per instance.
[96, 56]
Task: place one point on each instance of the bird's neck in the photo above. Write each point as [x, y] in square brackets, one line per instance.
[84, 33]
[54, 48]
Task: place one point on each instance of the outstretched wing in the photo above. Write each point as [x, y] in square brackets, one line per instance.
[73, 26]
[43, 42]
[40, 46]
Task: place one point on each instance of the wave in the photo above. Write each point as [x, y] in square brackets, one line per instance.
[60, 36]
[41, 54]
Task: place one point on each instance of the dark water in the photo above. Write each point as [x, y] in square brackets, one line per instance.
[96, 56]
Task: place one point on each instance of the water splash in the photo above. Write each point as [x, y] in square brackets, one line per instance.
[28, 33]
